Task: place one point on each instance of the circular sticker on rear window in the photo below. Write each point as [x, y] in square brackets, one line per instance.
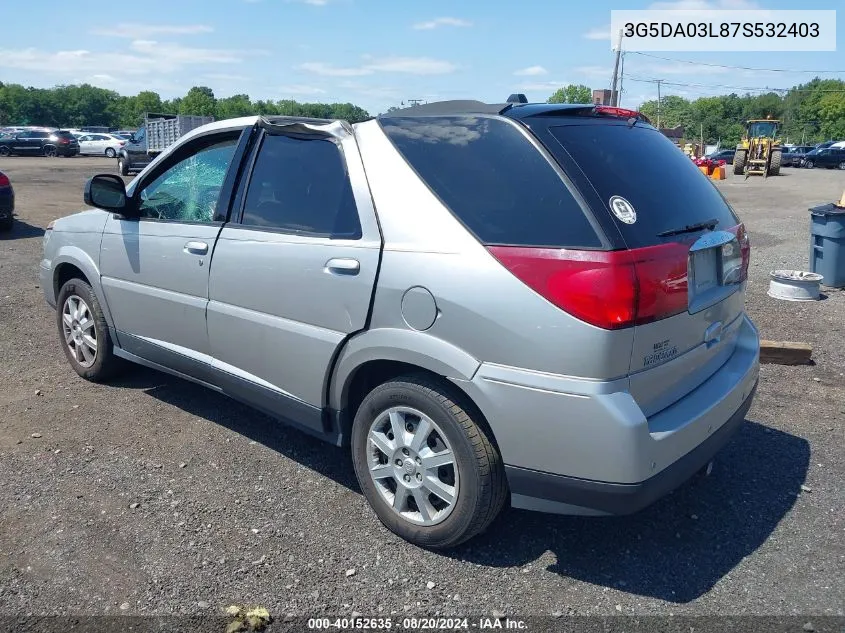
[623, 210]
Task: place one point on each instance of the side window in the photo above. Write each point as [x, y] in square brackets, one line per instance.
[40, 135]
[301, 186]
[83, 139]
[188, 190]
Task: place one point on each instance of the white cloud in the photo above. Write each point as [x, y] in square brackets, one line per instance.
[696, 5]
[144, 31]
[598, 33]
[543, 85]
[532, 71]
[320, 68]
[300, 90]
[141, 58]
[225, 77]
[433, 24]
[676, 68]
[385, 93]
[594, 72]
[412, 65]
[407, 65]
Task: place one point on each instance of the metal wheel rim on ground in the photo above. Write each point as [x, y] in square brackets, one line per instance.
[79, 331]
[412, 465]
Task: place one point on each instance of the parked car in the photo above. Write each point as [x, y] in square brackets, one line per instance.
[100, 144]
[39, 142]
[7, 203]
[726, 155]
[792, 158]
[463, 294]
[829, 157]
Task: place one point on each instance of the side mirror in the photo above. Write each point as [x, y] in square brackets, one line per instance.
[108, 192]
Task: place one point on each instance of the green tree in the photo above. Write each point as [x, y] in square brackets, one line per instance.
[235, 106]
[572, 94]
[199, 101]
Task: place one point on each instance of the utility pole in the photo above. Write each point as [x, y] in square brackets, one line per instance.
[621, 76]
[658, 102]
[613, 93]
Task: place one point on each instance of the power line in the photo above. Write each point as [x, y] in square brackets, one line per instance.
[696, 85]
[768, 70]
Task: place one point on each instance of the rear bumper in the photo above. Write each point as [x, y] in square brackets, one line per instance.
[577, 446]
[536, 489]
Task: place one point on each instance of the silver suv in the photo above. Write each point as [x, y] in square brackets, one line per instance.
[485, 303]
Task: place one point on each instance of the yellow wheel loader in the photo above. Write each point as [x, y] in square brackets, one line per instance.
[759, 151]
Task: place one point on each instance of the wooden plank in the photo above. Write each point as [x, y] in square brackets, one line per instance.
[785, 352]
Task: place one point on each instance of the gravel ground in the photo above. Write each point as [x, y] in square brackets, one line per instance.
[154, 496]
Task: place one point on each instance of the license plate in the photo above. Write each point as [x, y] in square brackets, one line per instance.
[715, 265]
[705, 270]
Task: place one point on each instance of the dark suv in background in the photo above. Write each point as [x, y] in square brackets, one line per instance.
[39, 143]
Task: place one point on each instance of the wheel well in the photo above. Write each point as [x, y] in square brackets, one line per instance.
[63, 274]
[376, 372]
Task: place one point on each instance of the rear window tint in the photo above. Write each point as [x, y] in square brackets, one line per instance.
[493, 179]
[664, 187]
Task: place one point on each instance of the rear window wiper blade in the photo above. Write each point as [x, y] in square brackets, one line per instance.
[691, 228]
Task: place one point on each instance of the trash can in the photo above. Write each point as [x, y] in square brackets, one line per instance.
[827, 244]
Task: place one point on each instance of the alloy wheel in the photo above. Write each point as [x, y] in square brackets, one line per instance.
[412, 465]
[79, 331]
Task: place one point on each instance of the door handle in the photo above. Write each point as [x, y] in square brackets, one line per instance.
[343, 266]
[196, 248]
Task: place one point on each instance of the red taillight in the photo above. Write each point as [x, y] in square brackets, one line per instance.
[745, 247]
[620, 112]
[63, 141]
[4, 181]
[608, 289]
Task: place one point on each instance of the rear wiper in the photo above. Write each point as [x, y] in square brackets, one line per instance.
[691, 228]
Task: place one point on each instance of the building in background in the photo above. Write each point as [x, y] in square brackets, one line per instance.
[674, 134]
[604, 97]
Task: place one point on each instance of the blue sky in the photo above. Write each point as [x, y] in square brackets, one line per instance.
[373, 53]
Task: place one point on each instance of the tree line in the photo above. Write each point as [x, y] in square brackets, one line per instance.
[814, 111]
[82, 105]
[810, 112]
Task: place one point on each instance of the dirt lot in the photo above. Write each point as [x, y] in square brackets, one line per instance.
[233, 508]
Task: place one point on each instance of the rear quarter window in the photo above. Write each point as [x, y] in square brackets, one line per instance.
[638, 163]
[493, 180]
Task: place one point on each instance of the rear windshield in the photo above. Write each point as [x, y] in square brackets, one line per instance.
[638, 163]
[64, 134]
[493, 179]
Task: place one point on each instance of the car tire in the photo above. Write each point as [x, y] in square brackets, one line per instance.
[110, 153]
[50, 151]
[841, 165]
[123, 166]
[5, 151]
[809, 164]
[76, 307]
[444, 419]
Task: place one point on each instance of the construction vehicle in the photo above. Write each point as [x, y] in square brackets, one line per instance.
[759, 152]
